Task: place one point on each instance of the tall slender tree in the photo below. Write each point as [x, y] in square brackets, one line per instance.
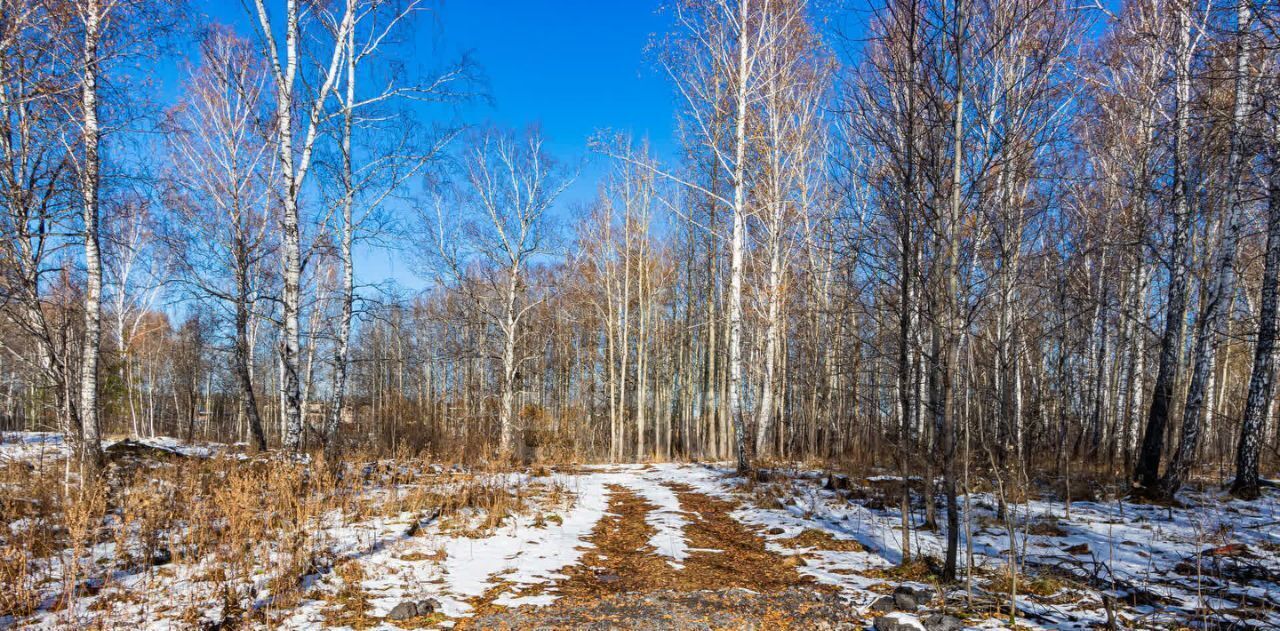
[295, 141]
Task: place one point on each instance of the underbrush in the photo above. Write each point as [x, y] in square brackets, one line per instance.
[242, 534]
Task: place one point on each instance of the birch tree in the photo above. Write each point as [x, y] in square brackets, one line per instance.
[1221, 283]
[135, 269]
[716, 57]
[222, 173]
[1146, 472]
[374, 162]
[790, 109]
[616, 248]
[93, 16]
[37, 190]
[295, 141]
[509, 183]
[105, 32]
[1247, 483]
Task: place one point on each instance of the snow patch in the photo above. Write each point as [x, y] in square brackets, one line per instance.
[668, 520]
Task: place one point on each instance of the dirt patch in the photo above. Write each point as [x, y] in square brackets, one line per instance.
[622, 560]
[729, 580]
[742, 560]
[667, 610]
[723, 553]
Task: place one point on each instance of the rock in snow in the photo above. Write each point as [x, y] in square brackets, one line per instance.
[898, 622]
[910, 598]
[943, 622]
[404, 611]
[410, 609]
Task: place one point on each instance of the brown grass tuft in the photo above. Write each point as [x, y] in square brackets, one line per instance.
[822, 540]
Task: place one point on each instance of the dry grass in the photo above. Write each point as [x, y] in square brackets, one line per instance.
[480, 504]
[436, 556]
[350, 605]
[244, 525]
[921, 570]
[1042, 586]
[822, 540]
[542, 519]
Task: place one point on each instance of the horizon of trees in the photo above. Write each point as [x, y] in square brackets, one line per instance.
[1022, 236]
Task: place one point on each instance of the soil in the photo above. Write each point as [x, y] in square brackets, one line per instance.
[728, 581]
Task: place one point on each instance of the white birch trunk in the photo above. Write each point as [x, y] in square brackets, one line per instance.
[1222, 280]
[90, 444]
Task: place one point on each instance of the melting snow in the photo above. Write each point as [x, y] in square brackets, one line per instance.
[1121, 547]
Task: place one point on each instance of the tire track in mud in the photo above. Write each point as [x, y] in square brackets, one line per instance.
[623, 581]
[723, 554]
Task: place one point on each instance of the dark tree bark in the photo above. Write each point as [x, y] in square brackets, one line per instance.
[1262, 379]
[1146, 475]
[243, 354]
[1222, 283]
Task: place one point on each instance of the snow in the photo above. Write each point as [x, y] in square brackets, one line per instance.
[29, 446]
[518, 557]
[1119, 547]
[37, 446]
[1130, 544]
[668, 520]
[906, 619]
[521, 554]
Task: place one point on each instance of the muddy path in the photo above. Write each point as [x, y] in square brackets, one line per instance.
[729, 579]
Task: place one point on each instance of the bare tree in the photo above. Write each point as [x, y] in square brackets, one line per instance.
[790, 111]
[1260, 394]
[106, 31]
[222, 173]
[37, 190]
[1262, 378]
[295, 141]
[135, 270]
[93, 15]
[1146, 472]
[509, 184]
[716, 58]
[375, 161]
[1221, 283]
[615, 245]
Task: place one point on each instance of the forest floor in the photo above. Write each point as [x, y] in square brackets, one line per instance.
[678, 546]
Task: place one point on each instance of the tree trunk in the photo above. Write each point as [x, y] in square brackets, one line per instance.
[1262, 379]
[90, 427]
[1222, 283]
[505, 413]
[945, 412]
[342, 355]
[243, 359]
[1147, 471]
[765, 413]
[737, 243]
[294, 172]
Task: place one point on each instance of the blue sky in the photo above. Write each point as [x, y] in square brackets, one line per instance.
[572, 66]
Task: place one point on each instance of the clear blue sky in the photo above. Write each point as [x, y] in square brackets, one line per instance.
[572, 66]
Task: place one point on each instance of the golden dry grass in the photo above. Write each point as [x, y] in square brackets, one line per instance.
[226, 513]
[821, 540]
